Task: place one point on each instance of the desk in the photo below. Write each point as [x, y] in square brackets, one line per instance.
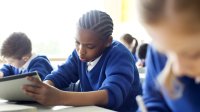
[12, 107]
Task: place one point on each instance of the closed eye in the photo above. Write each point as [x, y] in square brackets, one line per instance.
[90, 46]
[77, 42]
[195, 56]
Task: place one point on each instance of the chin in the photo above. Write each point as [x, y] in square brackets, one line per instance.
[84, 60]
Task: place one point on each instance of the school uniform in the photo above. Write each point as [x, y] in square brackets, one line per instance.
[36, 63]
[135, 57]
[113, 70]
[157, 101]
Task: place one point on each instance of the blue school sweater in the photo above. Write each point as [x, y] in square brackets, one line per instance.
[40, 64]
[156, 101]
[135, 57]
[114, 72]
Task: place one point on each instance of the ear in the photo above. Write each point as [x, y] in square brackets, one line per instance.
[25, 58]
[109, 41]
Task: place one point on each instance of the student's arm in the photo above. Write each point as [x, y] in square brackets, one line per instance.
[99, 97]
[42, 66]
[65, 74]
[49, 95]
[153, 99]
[121, 74]
[7, 70]
[49, 82]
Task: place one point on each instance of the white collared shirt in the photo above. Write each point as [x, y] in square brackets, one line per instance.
[25, 66]
[90, 65]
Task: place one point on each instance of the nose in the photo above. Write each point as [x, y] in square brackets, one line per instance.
[82, 50]
[178, 69]
[180, 66]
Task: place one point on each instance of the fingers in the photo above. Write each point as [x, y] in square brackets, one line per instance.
[33, 79]
[31, 88]
[36, 82]
[31, 94]
[32, 91]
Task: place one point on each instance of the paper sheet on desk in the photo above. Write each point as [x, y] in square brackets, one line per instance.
[80, 109]
[17, 108]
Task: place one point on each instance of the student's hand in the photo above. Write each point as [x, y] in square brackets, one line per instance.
[140, 63]
[43, 93]
[1, 74]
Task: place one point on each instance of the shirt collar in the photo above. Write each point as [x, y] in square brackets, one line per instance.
[25, 66]
[91, 64]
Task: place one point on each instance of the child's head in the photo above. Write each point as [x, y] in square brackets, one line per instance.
[94, 34]
[16, 49]
[174, 26]
[142, 51]
[130, 42]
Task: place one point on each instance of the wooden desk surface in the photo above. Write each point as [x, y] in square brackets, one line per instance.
[13, 107]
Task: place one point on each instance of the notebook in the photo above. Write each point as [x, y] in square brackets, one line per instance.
[11, 87]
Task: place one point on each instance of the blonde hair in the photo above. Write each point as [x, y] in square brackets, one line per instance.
[153, 11]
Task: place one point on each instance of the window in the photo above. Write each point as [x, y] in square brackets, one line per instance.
[51, 24]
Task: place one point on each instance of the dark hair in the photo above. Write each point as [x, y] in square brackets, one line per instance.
[16, 46]
[129, 39]
[97, 21]
[152, 11]
[142, 51]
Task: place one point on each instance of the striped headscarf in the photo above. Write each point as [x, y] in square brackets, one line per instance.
[97, 21]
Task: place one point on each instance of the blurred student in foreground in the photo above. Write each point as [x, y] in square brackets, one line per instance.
[172, 79]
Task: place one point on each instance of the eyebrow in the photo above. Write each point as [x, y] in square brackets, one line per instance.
[85, 43]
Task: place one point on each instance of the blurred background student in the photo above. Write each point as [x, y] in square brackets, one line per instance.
[172, 79]
[17, 52]
[131, 43]
[141, 53]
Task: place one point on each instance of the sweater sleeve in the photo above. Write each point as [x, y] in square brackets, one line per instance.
[153, 98]
[7, 70]
[66, 73]
[42, 66]
[119, 77]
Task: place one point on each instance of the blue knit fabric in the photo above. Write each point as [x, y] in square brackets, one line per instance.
[114, 72]
[156, 101]
[40, 64]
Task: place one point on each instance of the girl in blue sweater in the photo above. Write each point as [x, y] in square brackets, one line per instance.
[104, 67]
[17, 51]
[172, 79]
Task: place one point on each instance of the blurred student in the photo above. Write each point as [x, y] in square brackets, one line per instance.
[17, 52]
[131, 43]
[172, 80]
[104, 67]
[142, 51]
